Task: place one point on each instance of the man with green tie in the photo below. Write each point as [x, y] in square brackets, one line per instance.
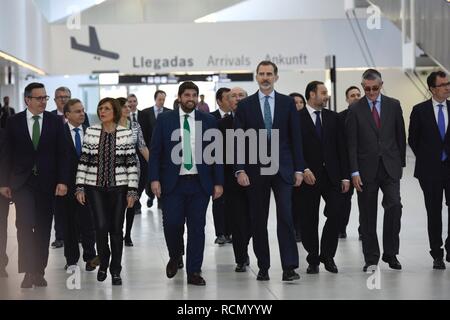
[33, 171]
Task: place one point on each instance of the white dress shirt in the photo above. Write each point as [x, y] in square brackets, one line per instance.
[222, 113]
[191, 120]
[72, 133]
[444, 110]
[313, 116]
[30, 122]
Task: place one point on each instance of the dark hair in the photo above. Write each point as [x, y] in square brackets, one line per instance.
[122, 101]
[65, 89]
[371, 74]
[186, 86]
[131, 95]
[349, 89]
[431, 79]
[220, 92]
[117, 109]
[296, 94]
[158, 92]
[70, 103]
[267, 63]
[29, 88]
[312, 86]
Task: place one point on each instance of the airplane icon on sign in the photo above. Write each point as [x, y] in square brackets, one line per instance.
[93, 47]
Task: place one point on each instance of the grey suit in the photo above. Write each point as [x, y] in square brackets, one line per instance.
[379, 155]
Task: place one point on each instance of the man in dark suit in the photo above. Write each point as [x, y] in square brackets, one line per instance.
[62, 95]
[184, 182]
[377, 150]
[352, 94]
[36, 170]
[276, 114]
[221, 217]
[6, 111]
[4, 210]
[430, 142]
[326, 175]
[147, 120]
[77, 219]
[236, 201]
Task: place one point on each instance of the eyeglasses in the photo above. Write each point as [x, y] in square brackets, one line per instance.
[40, 99]
[62, 98]
[442, 85]
[374, 89]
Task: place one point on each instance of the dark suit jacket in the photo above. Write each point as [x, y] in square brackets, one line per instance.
[50, 157]
[230, 179]
[86, 118]
[286, 120]
[216, 114]
[72, 157]
[367, 144]
[5, 115]
[425, 141]
[147, 120]
[161, 167]
[328, 151]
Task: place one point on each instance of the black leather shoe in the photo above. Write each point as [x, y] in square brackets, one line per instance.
[392, 261]
[367, 265]
[329, 264]
[196, 279]
[128, 242]
[39, 280]
[312, 269]
[342, 235]
[57, 244]
[3, 273]
[101, 275]
[439, 264]
[240, 267]
[220, 240]
[149, 203]
[180, 263]
[172, 268]
[228, 239]
[27, 281]
[263, 275]
[116, 280]
[290, 275]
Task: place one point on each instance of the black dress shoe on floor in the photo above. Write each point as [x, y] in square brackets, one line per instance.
[329, 264]
[3, 273]
[57, 244]
[240, 267]
[128, 242]
[263, 275]
[367, 265]
[27, 281]
[149, 203]
[439, 264]
[172, 268]
[180, 263]
[290, 275]
[392, 261]
[312, 269]
[220, 240]
[342, 235]
[196, 279]
[101, 275]
[116, 280]
[228, 239]
[39, 280]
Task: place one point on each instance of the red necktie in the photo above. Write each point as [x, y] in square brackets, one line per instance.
[375, 115]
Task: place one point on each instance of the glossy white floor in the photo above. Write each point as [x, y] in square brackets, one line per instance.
[144, 266]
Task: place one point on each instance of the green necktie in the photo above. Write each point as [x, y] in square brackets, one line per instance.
[187, 151]
[36, 132]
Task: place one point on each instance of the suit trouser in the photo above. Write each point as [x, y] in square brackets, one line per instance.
[259, 201]
[368, 216]
[221, 216]
[310, 218]
[236, 204]
[297, 204]
[77, 220]
[186, 203]
[33, 223]
[4, 209]
[108, 209]
[129, 216]
[59, 224]
[433, 191]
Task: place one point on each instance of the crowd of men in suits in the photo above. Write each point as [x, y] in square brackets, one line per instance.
[322, 154]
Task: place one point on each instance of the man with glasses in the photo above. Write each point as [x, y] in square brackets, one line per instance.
[432, 148]
[62, 95]
[33, 171]
[377, 146]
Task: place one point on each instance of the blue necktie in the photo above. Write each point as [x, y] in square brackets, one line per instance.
[77, 141]
[441, 125]
[267, 116]
[318, 125]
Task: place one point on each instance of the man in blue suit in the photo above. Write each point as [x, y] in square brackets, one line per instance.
[184, 186]
[34, 171]
[267, 109]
